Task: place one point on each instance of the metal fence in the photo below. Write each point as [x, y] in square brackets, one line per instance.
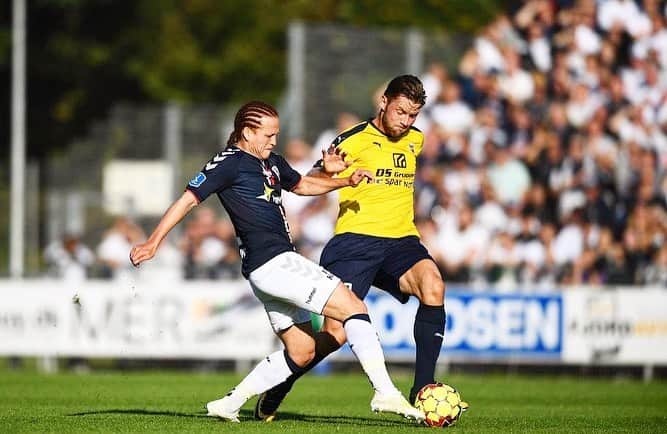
[331, 69]
[185, 137]
[335, 69]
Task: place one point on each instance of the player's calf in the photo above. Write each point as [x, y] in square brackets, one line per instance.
[327, 341]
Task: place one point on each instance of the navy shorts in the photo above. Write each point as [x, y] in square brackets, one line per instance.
[364, 260]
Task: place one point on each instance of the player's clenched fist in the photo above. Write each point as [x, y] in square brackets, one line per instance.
[142, 252]
[359, 175]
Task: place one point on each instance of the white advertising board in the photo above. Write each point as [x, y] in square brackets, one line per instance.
[627, 326]
[216, 320]
[137, 187]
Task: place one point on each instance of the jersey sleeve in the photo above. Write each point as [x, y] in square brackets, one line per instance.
[420, 144]
[289, 177]
[218, 174]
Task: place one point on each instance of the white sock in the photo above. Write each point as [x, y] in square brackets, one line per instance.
[270, 372]
[364, 342]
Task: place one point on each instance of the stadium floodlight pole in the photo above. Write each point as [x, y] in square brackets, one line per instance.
[414, 52]
[296, 78]
[172, 145]
[17, 201]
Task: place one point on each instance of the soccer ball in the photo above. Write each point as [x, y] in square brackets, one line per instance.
[441, 404]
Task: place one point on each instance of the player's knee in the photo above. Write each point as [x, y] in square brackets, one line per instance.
[303, 356]
[356, 305]
[432, 290]
[334, 337]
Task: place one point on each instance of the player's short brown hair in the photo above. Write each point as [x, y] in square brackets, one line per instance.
[408, 86]
[250, 115]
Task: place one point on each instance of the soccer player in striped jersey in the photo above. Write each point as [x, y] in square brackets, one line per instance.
[376, 241]
[248, 178]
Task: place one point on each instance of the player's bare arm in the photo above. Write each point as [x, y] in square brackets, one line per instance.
[314, 185]
[179, 209]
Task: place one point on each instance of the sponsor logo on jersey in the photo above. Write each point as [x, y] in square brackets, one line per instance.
[400, 160]
[197, 180]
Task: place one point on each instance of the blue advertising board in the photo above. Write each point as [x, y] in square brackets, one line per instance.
[478, 324]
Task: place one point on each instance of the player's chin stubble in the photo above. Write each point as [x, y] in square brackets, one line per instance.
[392, 132]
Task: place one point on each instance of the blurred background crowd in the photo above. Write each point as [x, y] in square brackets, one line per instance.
[544, 162]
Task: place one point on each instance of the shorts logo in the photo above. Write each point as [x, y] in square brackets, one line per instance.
[327, 274]
[197, 180]
[400, 161]
[312, 294]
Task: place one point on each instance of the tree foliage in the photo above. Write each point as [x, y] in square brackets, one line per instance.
[84, 55]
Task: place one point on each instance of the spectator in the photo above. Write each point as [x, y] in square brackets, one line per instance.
[508, 176]
[502, 262]
[299, 155]
[344, 121]
[452, 117]
[516, 84]
[208, 247]
[462, 246]
[69, 259]
[116, 242]
[656, 273]
[317, 227]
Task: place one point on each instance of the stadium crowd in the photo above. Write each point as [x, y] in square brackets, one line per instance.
[544, 162]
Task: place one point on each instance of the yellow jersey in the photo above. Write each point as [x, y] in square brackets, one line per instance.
[385, 207]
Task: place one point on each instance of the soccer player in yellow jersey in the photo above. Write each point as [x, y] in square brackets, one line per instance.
[376, 241]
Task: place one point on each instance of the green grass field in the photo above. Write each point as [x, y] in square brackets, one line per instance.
[173, 402]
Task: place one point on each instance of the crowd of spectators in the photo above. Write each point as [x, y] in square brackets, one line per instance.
[546, 152]
[544, 162]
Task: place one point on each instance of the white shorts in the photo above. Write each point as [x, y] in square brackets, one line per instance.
[291, 286]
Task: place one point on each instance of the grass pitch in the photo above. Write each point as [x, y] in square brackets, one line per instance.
[140, 402]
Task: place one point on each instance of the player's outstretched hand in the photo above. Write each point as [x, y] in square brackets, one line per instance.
[333, 160]
[358, 177]
[142, 252]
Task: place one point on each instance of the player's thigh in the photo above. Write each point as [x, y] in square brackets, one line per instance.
[408, 270]
[342, 304]
[282, 315]
[424, 281]
[355, 259]
[293, 279]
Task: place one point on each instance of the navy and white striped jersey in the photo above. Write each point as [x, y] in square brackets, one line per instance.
[250, 189]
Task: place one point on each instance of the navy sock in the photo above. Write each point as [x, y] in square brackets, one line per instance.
[296, 369]
[428, 331]
[360, 316]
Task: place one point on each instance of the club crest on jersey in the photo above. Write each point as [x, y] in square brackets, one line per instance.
[197, 180]
[411, 146]
[271, 174]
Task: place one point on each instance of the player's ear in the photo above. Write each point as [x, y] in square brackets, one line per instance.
[247, 133]
[383, 103]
